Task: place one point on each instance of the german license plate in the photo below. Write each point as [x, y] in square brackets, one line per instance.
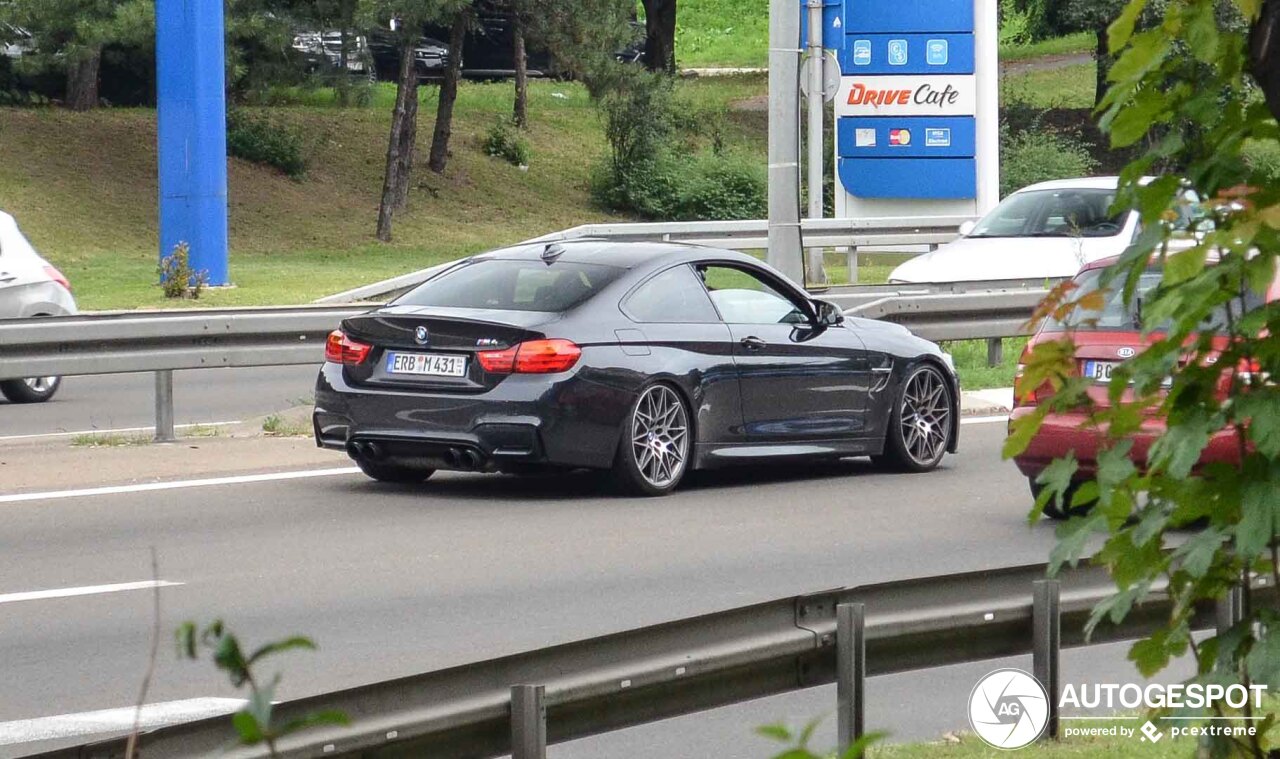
[428, 364]
[1099, 371]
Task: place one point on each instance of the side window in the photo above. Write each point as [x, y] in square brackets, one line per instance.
[674, 296]
[743, 298]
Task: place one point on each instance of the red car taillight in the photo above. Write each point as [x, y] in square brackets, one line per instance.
[531, 357]
[57, 276]
[341, 349]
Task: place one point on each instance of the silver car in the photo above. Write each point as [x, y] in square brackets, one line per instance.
[29, 286]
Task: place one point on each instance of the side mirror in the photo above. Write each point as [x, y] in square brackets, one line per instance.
[967, 227]
[827, 314]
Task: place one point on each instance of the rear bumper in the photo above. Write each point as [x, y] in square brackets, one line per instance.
[1061, 434]
[565, 420]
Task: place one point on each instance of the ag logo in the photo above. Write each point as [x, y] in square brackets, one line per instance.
[421, 335]
[1008, 708]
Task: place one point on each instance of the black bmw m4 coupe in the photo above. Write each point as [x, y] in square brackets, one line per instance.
[647, 359]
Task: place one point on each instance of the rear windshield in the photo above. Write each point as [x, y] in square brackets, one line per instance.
[1115, 315]
[513, 286]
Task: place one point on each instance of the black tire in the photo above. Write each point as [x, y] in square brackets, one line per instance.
[921, 448]
[1051, 509]
[654, 465]
[32, 390]
[393, 473]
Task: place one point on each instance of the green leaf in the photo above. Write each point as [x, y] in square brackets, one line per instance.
[1184, 265]
[315, 719]
[282, 645]
[1201, 31]
[1135, 120]
[246, 725]
[1259, 519]
[1198, 553]
[859, 747]
[1021, 431]
[1056, 478]
[185, 637]
[777, 732]
[1122, 28]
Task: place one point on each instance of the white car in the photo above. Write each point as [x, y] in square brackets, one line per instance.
[29, 286]
[1048, 230]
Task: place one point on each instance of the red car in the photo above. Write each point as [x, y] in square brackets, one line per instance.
[1101, 345]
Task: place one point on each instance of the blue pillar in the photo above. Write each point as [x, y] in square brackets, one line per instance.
[190, 84]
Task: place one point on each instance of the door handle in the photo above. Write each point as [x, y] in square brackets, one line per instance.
[753, 343]
[6, 277]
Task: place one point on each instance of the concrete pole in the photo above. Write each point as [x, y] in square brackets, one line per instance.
[784, 140]
[815, 274]
[192, 116]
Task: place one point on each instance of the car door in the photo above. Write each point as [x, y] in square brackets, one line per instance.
[798, 381]
[678, 333]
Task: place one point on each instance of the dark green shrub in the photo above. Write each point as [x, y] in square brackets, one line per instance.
[257, 139]
[1040, 155]
[504, 141]
[707, 187]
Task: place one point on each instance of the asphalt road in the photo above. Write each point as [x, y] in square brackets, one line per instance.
[392, 580]
[127, 401]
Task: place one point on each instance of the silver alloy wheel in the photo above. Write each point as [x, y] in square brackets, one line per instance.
[660, 436]
[926, 417]
[40, 384]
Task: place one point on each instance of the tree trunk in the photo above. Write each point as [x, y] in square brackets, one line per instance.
[408, 144]
[343, 84]
[1102, 54]
[448, 94]
[82, 80]
[392, 181]
[1264, 54]
[660, 35]
[522, 71]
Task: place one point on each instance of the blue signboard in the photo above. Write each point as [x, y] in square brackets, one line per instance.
[933, 178]
[906, 137]
[909, 16]
[939, 53]
[906, 124]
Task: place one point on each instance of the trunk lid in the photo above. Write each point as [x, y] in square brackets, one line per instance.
[451, 333]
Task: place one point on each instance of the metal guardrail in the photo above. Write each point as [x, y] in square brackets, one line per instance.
[844, 234]
[165, 341]
[517, 704]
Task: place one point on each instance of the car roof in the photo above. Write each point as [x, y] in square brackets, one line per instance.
[1080, 183]
[623, 255]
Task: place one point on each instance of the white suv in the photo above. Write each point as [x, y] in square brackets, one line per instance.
[29, 286]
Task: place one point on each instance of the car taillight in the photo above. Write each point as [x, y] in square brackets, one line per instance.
[1026, 396]
[531, 357]
[57, 276]
[341, 349]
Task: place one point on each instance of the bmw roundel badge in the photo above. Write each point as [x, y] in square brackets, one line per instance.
[421, 335]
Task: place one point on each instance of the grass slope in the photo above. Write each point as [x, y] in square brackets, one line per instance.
[83, 187]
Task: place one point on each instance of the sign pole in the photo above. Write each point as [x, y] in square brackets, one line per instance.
[192, 133]
[784, 252]
[815, 274]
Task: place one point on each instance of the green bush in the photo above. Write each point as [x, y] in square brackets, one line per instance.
[1040, 155]
[257, 139]
[707, 187]
[504, 141]
[656, 167]
[1263, 158]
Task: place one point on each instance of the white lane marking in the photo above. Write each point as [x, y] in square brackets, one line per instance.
[113, 431]
[175, 485]
[115, 720]
[87, 590]
[983, 419]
